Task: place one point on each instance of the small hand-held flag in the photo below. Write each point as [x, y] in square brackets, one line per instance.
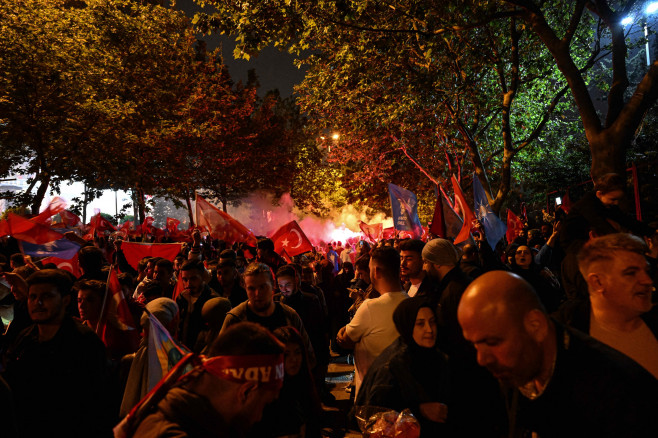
[514, 226]
[290, 239]
[373, 232]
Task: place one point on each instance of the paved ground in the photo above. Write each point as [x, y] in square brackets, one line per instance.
[339, 376]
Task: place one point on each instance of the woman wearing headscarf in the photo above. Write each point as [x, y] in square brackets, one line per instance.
[138, 385]
[411, 373]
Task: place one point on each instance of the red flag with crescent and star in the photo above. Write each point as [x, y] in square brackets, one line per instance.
[514, 226]
[221, 225]
[291, 239]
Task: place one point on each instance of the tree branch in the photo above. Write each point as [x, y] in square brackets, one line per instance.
[536, 20]
[573, 23]
[456, 28]
[540, 126]
[644, 97]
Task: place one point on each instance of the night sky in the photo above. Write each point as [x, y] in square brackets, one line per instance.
[275, 69]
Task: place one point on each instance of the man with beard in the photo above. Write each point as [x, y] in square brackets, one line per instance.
[56, 368]
[561, 383]
[411, 268]
[261, 308]
[190, 302]
[372, 329]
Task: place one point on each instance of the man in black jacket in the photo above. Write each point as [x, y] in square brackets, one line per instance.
[190, 302]
[561, 382]
[57, 368]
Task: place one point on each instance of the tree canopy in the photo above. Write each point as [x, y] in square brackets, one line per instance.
[120, 94]
[412, 86]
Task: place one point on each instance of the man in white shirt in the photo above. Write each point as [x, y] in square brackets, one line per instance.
[372, 328]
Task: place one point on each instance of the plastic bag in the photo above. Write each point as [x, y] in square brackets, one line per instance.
[377, 422]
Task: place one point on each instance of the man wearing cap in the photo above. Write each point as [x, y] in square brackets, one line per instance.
[441, 262]
[224, 395]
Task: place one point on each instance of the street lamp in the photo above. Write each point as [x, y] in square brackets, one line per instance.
[649, 9]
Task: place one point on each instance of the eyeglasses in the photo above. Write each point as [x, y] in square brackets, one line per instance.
[523, 251]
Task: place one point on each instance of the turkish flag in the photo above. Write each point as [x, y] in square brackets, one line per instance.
[178, 289]
[372, 232]
[291, 239]
[147, 225]
[116, 327]
[32, 232]
[70, 265]
[98, 224]
[221, 225]
[468, 215]
[70, 219]
[134, 251]
[56, 205]
[438, 222]
[514, 226]
[172, 224]
[388, 233]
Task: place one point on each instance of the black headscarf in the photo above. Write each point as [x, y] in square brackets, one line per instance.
[405, 315]
[428, 366]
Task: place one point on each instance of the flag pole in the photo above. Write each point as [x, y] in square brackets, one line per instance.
[107, 289]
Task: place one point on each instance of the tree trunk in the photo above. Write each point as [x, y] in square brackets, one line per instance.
[189, 207]
[141, 205]
[223, 198]
[608, 155]
[41, 193]
[135, 209]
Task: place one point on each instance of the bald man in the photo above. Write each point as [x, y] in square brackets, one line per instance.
[562, 382]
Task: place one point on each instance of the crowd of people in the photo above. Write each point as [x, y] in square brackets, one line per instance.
[554, 333]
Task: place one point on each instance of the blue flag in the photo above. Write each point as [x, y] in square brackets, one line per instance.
[493, 226]
[62, 249]
[405, 210]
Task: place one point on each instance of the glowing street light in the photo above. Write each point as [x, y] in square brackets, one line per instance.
[335, 136]
[651, 8]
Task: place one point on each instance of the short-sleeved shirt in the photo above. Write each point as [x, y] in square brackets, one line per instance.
[373, 330]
